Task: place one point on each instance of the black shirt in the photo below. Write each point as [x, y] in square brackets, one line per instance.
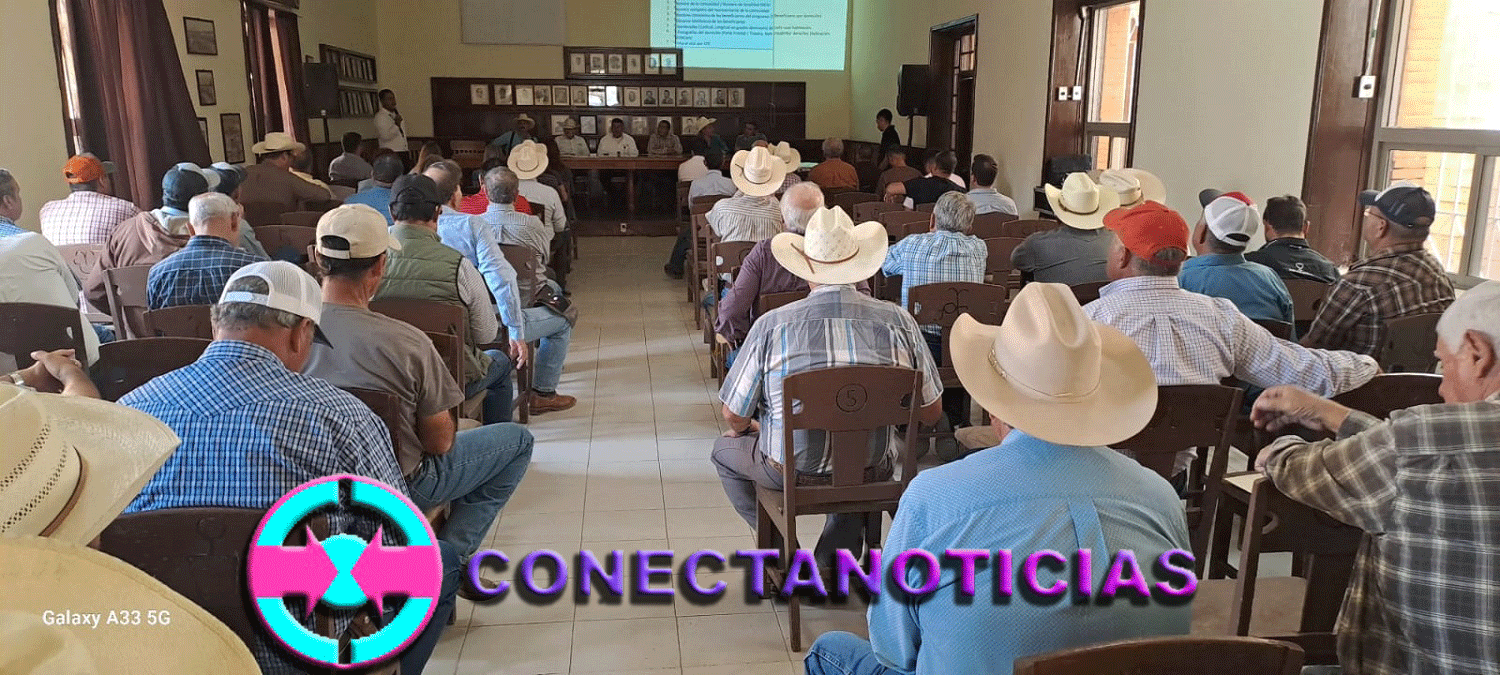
[1293, 258]
[928, 190]
[889, 139]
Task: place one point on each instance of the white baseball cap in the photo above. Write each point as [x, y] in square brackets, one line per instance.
[1232, 218]
[354, 231]
[212, 177]
[290, 290]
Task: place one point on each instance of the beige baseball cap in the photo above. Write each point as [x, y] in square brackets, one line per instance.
[354, 231]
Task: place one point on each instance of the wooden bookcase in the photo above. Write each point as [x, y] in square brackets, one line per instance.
[359, 79]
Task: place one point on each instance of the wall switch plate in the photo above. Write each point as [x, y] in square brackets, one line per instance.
[1062, 93]
[1364, 86]
[1078, 93]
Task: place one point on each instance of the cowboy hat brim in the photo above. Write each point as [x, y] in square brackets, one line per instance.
[263, 148]
[792, 157]
[870, 237]
[772, 183]
[535, 166]
[1152, 189]
[1122, 405]
[1109, 200]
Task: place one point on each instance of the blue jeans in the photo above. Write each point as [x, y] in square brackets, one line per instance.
[414, 659]
[502, 393]
[555, 334]
[478, 476]
[840, 653]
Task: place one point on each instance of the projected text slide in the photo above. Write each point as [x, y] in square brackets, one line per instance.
[769, 34]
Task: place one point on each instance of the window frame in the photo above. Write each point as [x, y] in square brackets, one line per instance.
[1091, 73]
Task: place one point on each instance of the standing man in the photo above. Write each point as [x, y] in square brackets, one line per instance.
[1289, 253]
[90, 212]
[570, 144]
[350, 167]
[889, 139]
[388, 126]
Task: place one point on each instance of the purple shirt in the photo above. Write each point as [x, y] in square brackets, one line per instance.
[760, 274]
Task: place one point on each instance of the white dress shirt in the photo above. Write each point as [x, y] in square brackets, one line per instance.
[692, 169]
[609, 146]
[546, 196]
[32, 270]
[391, 134]
[572, 147]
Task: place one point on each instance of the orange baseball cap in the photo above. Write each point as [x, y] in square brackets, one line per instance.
[1148, 229]
[86, 168]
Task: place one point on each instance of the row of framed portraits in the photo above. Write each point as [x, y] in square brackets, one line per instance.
[620, 62]
[638, 125]
[605, 96]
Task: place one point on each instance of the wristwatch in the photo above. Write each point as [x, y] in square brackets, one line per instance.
[17, 379]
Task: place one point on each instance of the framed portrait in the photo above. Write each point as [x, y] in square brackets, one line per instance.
[611, 96]
[632, 96]
[207, 95]
[503, 95]
[479, 94]
[667, 97]
[578, 63]
[669, 63]
[616, 64]
[203, 127]
[199, 36]
[648, 96]
[684, 97]
[736, 98]
[604, 121]
[640, 125]
[689, 125]
[580, 96]
[523, 94]
[597, 97]
[589, 125]
[559, 94]
[542, 95]
[633, 64]
[557, 124]
[720, 98]
[234, 137]
[700, 97]
[653, 64]
[596, 64]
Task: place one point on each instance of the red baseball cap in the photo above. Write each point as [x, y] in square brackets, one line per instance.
[1148, 229]
[86, 168]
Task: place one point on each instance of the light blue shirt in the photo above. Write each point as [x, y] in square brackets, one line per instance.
[1026, 495]
[1255, 289]
[8, 228]
[935, 258]
[378, 198]
[989, 200]
[471, 236]
[712, 183]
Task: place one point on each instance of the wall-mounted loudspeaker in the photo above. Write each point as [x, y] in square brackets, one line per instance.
[913, 92]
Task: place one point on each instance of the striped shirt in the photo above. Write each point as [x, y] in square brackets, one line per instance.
[934, 258]
[196, 273]
[518, 229]
[83, 218]
[1401, 281]
[833, 326]
[1425, 486]
[745, 218]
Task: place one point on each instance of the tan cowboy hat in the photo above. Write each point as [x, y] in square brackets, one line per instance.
[72, 464]
[1081, 203]
[788, 155]
[66, 585]
[757, 172]
[36, 647]
[1135, 186]
[527, 160]
[700, 122]
[1052, 373]
[834, 250]
[277, 141]
[523, 117]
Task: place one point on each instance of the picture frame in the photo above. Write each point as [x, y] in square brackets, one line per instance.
[667, 97]
[557, 124]
[631, 96]
[616, 64]
[578, 63]
[597, 98]
[479, 94]
[560, 94]
[588, 125]
[737, 98]
[611, 96]
[542, 95]
[684, 97]
[653, 64]
[632, 64]
[199, 36]
[700, 97]
[234, 137]
[523, 94]
[689, 125]
[669, 63]
[721, 99]
[648, 97]
[640, 125]
[504, 95]
[580, 96]
[596, 64]
[203, 127]
[207, 94]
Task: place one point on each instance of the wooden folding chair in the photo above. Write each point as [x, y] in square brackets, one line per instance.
[990, 225]
[896, 222]
[192, 321]
[125, 365]
[724, 256]
[848, 200]
[1087, 293]
[126, 289]
[386, 406]
[525, 262]
[26, 327]
[1170, 656]
[262, 213]
[1410, 344]
[847, 404]
[81, 258]
[1026, 228]
[286, 242]
[940, 305]
[865, 212]
[997, 264]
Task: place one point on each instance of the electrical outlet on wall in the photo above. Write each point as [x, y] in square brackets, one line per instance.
[1062, 93]
[1364, 86]
[1078, 93]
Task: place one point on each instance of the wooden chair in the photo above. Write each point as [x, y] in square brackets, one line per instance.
[126, 289]
[426, 315]
[990, 225]
[126, 364]
[525, 262]
[830, 192]
[81, 258]
[322, 205]
[1189, 417]
[301, 218]
[26, 327]
[895, 222]
[286, 242]
[451, 349]
[848, 200]
[887, 288]
[770, 301]
[1281, 330]
[847, 405]
[865, 212]
[468, 154]
[386, 406]
[997, 265]
[1026, 228]
[1087, 293]
[682, 198]
[259, 214]
[1308, 296]
[189, 321]
[940, 305]
[1170, 656]
[724, 257]
[1410, 344]
[701, 205]
[929, 207]
[703, 240]
[1381, 396]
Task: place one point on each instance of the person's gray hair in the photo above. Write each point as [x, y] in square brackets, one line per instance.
[1478, 309]
[211, 207]
[1166, 263]
[833, 148]
[450, 174]
[954, 212]
[236, 316]
[799, 204]
[8, 185]
[501, 184]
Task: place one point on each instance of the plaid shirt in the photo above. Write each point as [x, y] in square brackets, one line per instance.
[1425, 486]
[83, 218]
[745, 218]
[1397, 282]
[833, 326]
[8, 228]
[195, 274]
[935, 258]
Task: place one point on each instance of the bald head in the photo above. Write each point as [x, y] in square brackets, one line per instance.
[798, 205]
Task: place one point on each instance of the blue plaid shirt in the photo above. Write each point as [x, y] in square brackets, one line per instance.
[935, 258]
[8, 227]
[195, 274]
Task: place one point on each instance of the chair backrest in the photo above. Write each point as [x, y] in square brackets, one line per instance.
[702, 231]
[990, 225]
[26, 327]
[887, 288]
[81, 258]
[848, 200]
[192, 321]
[539, 211]
[451, 348]
[322, 205]
[770, 301]
[301, 218]
[849, 404]
[726, 255]
[525, 262]
[1390, 392]
[926, 208]
[1410, 344]
[386, 406]
[1087, 293]
[126, 364]
[1170, 656]
[468, 154]
[941, 304]
[286, 242]
[706, 202]
[1187, 416]
[997, 261]
[1026, 228]
[830, 192]
[865, 212]
[262, 213]
[1278, 329]
[895, 222]
[427, 315]
[1308, 296]
[126, 289]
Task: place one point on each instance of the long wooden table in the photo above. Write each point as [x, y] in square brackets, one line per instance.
[628, 164]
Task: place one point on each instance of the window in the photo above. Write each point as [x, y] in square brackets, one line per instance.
[1113, 51]
[1441, 125]
[964, 52]
[67, 57]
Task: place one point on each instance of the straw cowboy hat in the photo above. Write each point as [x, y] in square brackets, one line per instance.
[1081, 203]
[1052, 373]
[700, 122]
[527, 160]
[523, 117]
[73, 463]
[1135, 186]
[757, 172]
[277, 141]
[788, 155]
[65, 585]
[834, 250]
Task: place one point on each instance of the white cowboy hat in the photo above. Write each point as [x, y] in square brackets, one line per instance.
[1052, 373]
[46, 577]
[523, 117]
[834, 250]
[1135, 186]
[1080, 203]
[277, 141]
[527, 160]
[757, 172]
[700, 122]
[72, 464]
[788, 155]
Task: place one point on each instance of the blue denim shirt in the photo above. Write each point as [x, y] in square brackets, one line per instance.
[378, 198]
[1254, 288]
[471, 236]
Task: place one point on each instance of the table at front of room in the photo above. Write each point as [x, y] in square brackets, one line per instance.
[627, 164]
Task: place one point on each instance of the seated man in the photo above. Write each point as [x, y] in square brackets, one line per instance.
[33, 270]
[1134, 186]
[1220, 269]
[711, 183]
[749, 135]
[253, 427]
[899, 171]
[196, 273]
[512, 227]
[387, 169]
[11, 206]
[927, 189]
[478, 469]
[570, 144]
[692, 168]
[422, 268]
[1075, 252]
[523, 131]
[664, 143]
[797, 338]
[350, 167]
[617, 143]
[528, 161]
[984, 195]
[945, 254]
[1289, 254]
[753, 214]
[1399, 278]
[1060, 389]
[1422, 484]
[91, 211]
[1194, 339]
[834, 172]
[271, 179]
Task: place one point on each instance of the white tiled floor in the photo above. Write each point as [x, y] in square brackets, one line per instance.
[628, 469]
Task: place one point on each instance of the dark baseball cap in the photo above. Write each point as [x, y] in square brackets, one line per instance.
[180, 185]
[1402, 203]
[415, 189]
